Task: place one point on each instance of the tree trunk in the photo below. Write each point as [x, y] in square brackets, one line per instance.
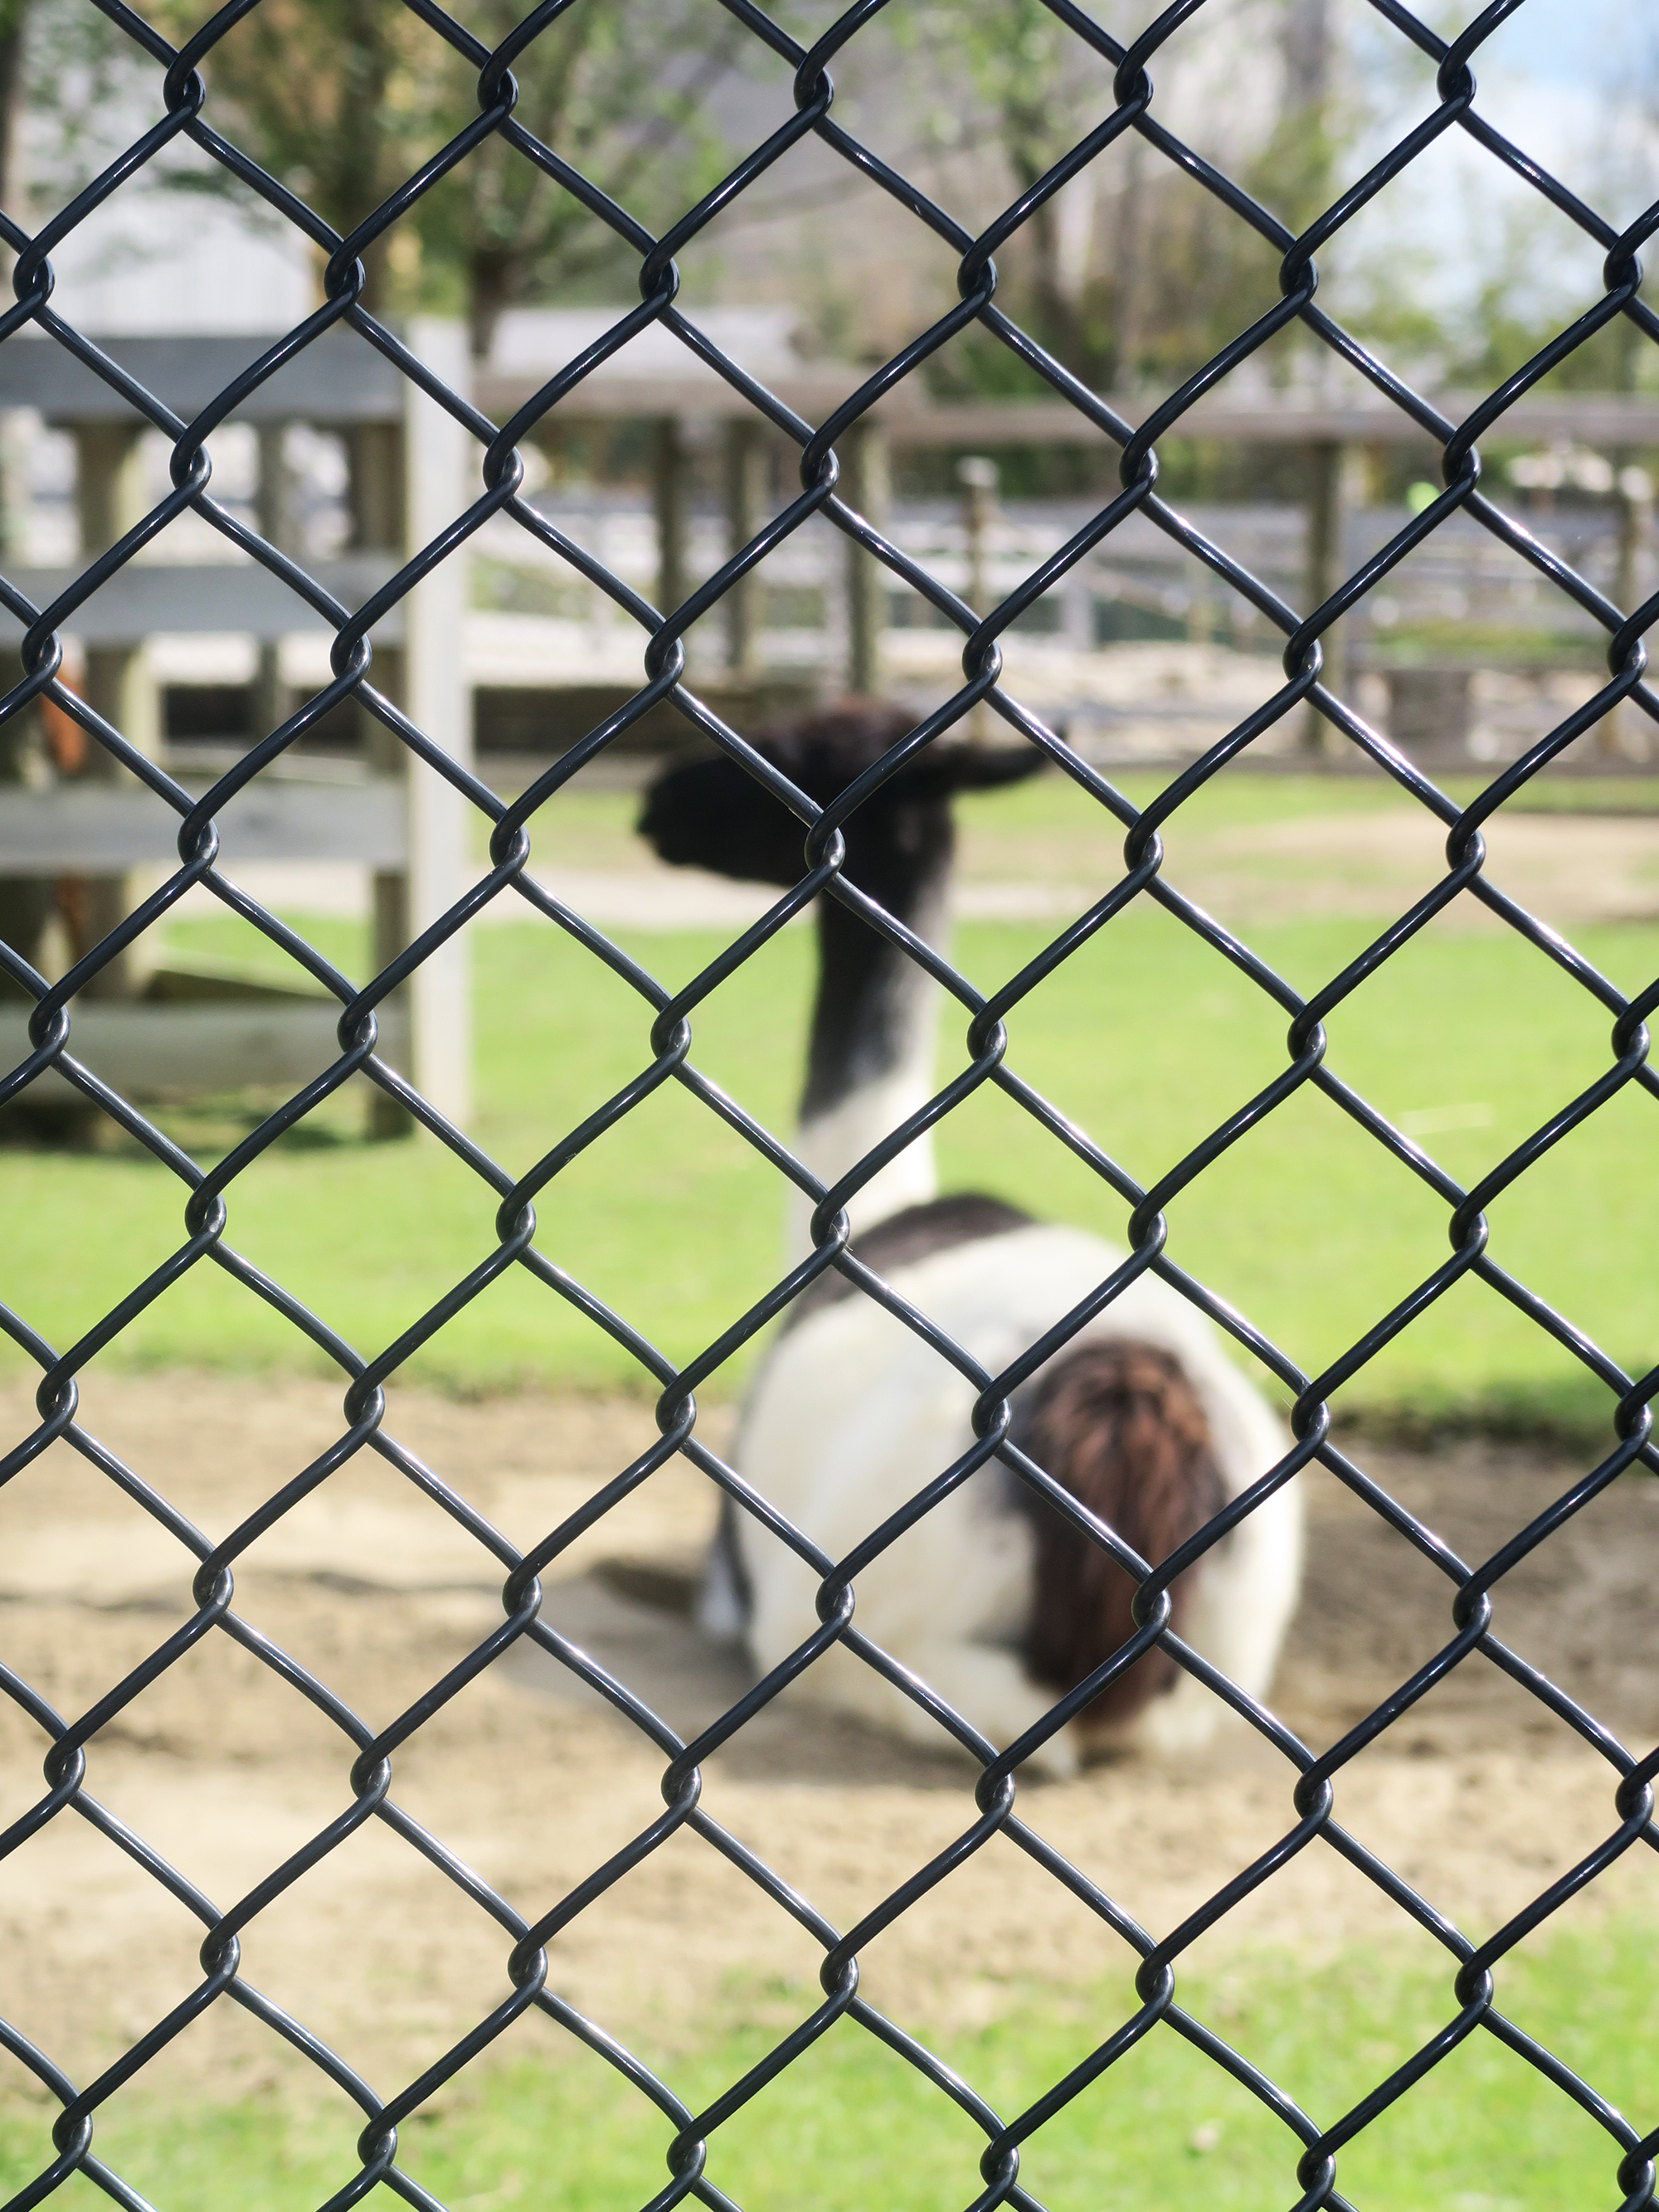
[25, 902]
[14, 22]
[1057, 317]
[1305, 36]
[1127, 257]
[492, 286]
[365, 150]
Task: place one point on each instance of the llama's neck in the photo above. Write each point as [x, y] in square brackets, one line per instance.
[870, 1062]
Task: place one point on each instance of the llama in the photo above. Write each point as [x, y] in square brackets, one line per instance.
[993, 1599]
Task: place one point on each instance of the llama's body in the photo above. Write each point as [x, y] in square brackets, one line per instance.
[852, 1414]
[993, 1600]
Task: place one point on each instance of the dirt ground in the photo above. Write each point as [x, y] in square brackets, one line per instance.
[1569, 869]
[1480, 1796]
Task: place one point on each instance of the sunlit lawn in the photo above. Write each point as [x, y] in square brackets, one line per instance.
[850, 2126]
[1145, 1037]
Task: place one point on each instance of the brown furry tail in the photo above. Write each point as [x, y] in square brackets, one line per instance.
[1119, 1426]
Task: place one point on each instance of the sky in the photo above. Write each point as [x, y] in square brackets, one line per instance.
[1550, 78]
[1570, 41]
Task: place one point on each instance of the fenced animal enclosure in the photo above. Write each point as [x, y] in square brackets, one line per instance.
[997, 1812]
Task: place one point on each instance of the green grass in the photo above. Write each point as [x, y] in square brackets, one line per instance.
[851, 2126]
[1143, 1037]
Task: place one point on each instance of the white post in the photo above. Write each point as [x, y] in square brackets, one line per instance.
[1077, 609]
[439, 481]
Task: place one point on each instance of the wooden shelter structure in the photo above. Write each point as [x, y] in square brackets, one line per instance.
[165, 1031]
[412, 470]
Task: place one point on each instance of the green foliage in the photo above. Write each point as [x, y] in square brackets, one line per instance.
[344, 100]
[1474, 283]
[619, 92]
[1167, 274]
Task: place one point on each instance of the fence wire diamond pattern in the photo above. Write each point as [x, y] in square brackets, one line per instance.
[530, 1927]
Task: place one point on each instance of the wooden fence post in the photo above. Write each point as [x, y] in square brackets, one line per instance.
[110, 498]
[275, 523]
[436, 451]
[1627, 734]
[865, 487]
[743, 460]
[1324, 561]
[409, 477]
[375, 485]
[977, 475]
[668, 491]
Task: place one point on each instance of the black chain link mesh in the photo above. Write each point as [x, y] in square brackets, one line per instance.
[529, 1929]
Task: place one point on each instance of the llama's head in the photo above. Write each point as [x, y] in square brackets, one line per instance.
[711, 813]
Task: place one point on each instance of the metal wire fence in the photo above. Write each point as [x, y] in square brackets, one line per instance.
[667, 1038]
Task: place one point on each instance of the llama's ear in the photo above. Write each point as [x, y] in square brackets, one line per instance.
[981, 768]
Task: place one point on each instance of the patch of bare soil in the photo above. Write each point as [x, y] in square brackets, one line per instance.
[1479, 1795]
[1568, 869]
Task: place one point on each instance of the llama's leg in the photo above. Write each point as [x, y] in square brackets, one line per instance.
[1182, 1719]
[986, 1683]
[723, 1597]
[987, 1687]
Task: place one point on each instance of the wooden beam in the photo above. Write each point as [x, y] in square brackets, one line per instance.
[338, 378]
[86, 825]
[614, 393]
[146, 1051]
[1289, 419]
[1589, 418]
[148, 598]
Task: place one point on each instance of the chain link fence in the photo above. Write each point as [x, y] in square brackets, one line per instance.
[668, 1024]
